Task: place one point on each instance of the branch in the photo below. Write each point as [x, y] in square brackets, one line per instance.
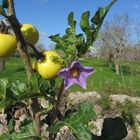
[38, 55]
[11, 8]
[59, 94]
[21, 44]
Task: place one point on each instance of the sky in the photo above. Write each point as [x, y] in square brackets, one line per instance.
[50, 16]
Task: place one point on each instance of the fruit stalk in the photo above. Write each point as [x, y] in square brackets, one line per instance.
[59, 94]
[38, 55]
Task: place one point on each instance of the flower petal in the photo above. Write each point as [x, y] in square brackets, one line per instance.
[82, 81]
[88, 71]
[84, 74]
[68, 82]
[76, 64]
[63, 72]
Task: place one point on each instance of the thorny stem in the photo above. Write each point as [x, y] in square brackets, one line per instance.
[21, 45]
[36, 117]
[11, 8]
[59, 94]
[54, 111]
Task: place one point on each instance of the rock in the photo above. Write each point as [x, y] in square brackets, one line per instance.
[113, 111]
[130, 133]
[97, 126]
[65, 134]
[3, 123]
[77, 97]
[122, 98]
[138, 118]
[119, 98]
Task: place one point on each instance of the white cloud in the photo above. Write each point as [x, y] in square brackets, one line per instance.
[136, 6]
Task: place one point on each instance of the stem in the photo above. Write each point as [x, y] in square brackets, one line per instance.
[59, 95]
[21, 44]
[11, 9]
[38, 55]
[36, 117]
[54, 110]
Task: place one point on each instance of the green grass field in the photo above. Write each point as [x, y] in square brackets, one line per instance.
[104, 79]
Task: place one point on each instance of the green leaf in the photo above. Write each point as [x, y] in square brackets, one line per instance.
[56, 38]
[34, 83]
[84, 22]
[5, 3]
[5, 103]
[26, 132]
[84, 108]
[79, 39]
[19, 88]
[67, 43]
[101, 13]
[77, 122]
[10, 125]
[71, 20]
[3, 88]
[91, 31]
[56, 127]
[52, 84]
[72, 44]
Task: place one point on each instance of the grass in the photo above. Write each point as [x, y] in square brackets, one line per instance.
[104, 79]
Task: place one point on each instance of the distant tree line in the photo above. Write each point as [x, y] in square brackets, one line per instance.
[114, 43]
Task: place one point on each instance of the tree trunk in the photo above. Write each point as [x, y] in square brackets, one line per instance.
[110, 60]
[110, 64]
[117, 69]
[2, 64]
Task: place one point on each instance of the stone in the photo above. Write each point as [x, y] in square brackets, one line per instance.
[77, 97]
[94, 97]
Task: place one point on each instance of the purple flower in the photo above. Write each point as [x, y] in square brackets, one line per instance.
[75, 74]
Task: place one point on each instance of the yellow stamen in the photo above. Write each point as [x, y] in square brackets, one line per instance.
[74, 72]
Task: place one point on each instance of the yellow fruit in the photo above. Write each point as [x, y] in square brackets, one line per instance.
[49, 67]
[8, 44]
[30, 33]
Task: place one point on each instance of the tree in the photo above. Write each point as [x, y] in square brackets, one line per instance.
[114, 36]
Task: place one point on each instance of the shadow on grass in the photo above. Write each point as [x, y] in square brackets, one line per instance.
[20, 69]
